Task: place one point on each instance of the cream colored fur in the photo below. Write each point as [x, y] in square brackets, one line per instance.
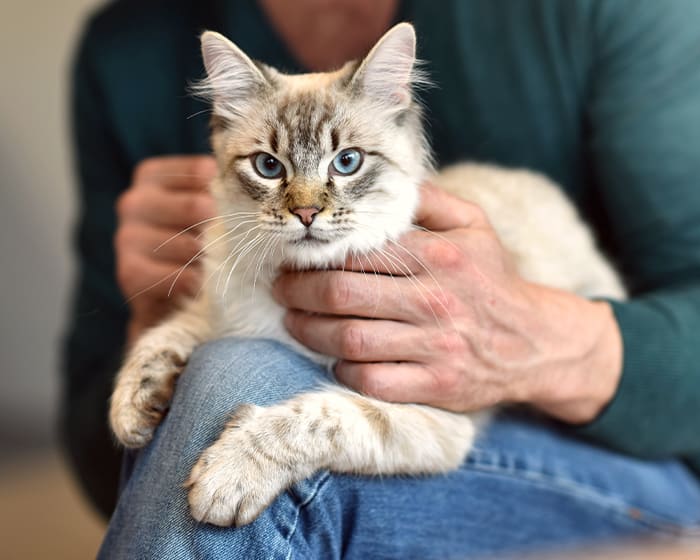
[262, 451]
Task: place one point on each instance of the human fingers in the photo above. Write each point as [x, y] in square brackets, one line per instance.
[439, 210]
[404, 382]
[149, 279]
[397, 259]
[161, 207]
[157, 243]
[356, 339]
[416, 252]
[178, 172]
[359, 295]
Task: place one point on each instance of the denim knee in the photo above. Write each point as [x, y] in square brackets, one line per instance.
[220, 376]
[238, 370]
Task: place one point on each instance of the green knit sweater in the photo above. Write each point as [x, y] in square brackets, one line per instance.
[602, 96]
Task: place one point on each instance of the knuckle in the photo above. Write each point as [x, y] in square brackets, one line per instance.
[146, 169]
[451, 257]
[122, 238]
[450, 344]
[127, 202]
[447, 382]
[445, 255]
[477, 212]
[352, 341]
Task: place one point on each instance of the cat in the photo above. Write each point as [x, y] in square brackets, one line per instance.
[314, 168]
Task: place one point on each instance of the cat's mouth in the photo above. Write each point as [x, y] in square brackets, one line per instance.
[308, 237]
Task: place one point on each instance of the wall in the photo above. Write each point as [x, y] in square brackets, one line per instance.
[37, 207]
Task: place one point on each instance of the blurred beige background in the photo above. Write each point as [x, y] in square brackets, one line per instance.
[42, 514]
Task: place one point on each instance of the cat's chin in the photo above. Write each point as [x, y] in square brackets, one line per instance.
[308, 255]
[319, 253]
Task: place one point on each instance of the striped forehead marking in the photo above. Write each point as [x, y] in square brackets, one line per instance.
[305, 121]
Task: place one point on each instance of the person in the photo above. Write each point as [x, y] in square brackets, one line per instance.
[600, 96]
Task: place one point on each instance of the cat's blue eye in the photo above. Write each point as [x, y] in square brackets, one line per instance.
[268, 166]
[346, 162]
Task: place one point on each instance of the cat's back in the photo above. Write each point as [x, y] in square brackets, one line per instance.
[538, 224]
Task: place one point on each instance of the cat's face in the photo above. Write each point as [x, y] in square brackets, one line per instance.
[321, 164]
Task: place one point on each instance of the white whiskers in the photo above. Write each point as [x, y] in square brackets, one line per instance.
[201, 252]
[224, 217]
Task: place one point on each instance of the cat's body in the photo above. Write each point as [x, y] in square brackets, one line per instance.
[302, 209]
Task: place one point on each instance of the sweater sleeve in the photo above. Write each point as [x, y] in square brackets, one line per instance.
[95, 337]
[644, 149]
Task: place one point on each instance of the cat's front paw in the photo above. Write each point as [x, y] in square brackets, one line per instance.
[242, 473]
[142, 395]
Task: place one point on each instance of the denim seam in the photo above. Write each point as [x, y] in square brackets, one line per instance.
[648, 519]
[319, 484]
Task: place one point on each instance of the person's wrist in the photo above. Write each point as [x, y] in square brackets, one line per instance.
[578, 388]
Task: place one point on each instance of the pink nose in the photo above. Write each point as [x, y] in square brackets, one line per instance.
[306, 214]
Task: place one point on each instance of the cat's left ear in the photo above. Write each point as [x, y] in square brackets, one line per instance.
[232, 77]
[388, 71]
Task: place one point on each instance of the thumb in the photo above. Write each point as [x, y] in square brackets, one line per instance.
[439, 210]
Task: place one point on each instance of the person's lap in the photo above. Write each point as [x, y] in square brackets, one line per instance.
[526, 485]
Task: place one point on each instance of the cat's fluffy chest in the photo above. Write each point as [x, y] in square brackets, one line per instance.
[349, 147]
[247, 309]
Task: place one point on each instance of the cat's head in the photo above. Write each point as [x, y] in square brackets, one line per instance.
[318, 164]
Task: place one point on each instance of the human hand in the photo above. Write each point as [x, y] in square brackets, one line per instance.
[454, 326]
[167, 195]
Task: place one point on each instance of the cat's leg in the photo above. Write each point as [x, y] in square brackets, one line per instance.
[263, 451]
[145, 383]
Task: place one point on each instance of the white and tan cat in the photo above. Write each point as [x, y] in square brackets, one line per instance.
[314, 168]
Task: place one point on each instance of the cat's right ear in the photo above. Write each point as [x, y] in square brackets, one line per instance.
[232, 77]
[389, 71]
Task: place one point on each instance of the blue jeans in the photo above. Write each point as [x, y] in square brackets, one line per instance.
[528, 485]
